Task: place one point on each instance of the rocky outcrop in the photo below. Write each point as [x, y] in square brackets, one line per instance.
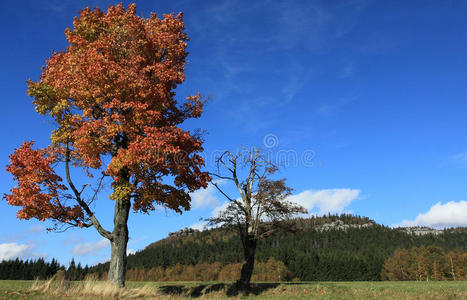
[420, 230]
[183, 232]
[340, 225]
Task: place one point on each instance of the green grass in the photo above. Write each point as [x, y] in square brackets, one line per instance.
[218, 290]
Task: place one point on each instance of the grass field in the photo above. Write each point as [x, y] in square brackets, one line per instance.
[217, 290]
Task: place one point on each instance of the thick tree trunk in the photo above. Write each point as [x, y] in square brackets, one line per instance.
[119, 243]
[249, 250]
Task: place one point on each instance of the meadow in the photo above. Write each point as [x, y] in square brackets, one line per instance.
[18, 289]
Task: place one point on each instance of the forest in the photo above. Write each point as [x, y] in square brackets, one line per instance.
[333, 247]
[32, 269]
[318, 251]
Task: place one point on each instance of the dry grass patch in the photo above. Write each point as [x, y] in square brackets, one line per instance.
[58, 289]
[92, 288]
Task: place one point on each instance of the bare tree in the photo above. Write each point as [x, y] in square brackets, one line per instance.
[261, 206]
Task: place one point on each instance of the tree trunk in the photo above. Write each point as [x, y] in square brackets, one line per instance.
[452, 269]
[249, 249]
[119, 243]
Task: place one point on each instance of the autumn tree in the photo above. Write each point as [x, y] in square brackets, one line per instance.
[397, 267]
[457, 261]
[260, 205]
[424, 263]
[111, 96]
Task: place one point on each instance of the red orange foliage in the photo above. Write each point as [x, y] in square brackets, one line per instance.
[39, 188]
[111, 93]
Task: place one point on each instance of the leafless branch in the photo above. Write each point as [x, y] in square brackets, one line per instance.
[80, 201]
[221, 177]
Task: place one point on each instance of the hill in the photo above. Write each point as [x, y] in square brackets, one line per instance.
[332, 247]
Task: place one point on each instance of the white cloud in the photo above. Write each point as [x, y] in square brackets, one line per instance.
[327, 200]
[199, 226]
[347, 71]
[451, 214]
[215, 212]
[23, 235]
[460, 158]
[72, 239]
[90, 248]
[35, 229]
[204, 197]
[94, 248]
[331, 107]
[220, 209]
[14, 250]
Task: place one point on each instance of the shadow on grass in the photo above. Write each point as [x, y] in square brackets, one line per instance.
[255, 289]
[204, 289]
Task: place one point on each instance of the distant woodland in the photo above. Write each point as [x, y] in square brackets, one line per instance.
[335, 248]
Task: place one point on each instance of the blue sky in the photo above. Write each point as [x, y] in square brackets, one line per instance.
[368, 96]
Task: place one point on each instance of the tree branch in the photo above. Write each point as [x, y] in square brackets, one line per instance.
[222, 192]
[221, 177]
[84, 186]
[82, 203]
[99, 185]
[239, 205]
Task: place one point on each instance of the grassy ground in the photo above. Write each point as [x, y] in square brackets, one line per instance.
[216, 290]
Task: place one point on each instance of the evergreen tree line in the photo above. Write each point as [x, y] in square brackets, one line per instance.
[425, 263]
[19, 269]
[360, 250]
[28, 269]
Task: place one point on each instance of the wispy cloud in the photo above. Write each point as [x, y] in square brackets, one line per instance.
[72, 239]
[347, 71]
[326, 200]
[316, 24]
[300, 25]
[331, 107]
[295, 77]
[23, 235]
[239, 53]
[15, 250]
[91, 248]
[35, 229]
[215, 212]
[199, 226]
[204, 197]
[450, 214]
[460, 159]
